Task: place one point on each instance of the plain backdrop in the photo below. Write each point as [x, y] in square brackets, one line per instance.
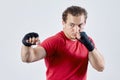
[18, 17]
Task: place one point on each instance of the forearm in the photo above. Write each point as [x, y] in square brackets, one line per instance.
[28, 53]
[97, 60]
[25, 53]
[95, 57]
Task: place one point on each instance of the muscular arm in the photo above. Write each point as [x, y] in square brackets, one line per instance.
[30, 54]
[96, 60]
[95, 57]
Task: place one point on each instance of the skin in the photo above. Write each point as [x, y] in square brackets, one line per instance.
[71, 28]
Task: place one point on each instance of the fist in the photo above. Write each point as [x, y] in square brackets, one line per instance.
[30, 39]
[86, 41]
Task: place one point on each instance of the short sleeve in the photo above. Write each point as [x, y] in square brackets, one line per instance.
[49, 45]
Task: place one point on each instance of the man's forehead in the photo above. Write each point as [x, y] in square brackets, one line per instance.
[76, 19]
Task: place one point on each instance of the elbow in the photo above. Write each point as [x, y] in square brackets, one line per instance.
[26, 61]
[100, 68]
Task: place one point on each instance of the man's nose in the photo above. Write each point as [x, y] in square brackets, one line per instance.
[77, 29]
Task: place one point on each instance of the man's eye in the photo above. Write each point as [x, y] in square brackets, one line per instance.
[80, 25]
[72, 25]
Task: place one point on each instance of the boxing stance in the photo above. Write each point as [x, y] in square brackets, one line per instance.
[68, 52]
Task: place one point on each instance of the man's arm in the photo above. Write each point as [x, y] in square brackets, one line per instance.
[96, 60]
[29, 53]
[95, 57]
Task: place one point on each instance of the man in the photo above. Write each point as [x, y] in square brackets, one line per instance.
[67, 53]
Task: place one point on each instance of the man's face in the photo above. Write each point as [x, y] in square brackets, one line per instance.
[73, 26]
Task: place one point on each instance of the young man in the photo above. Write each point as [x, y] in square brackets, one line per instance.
[67, 53]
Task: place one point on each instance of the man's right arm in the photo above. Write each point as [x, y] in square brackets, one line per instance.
[29, 53]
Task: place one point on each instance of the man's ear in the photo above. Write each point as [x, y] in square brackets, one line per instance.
[63, 22]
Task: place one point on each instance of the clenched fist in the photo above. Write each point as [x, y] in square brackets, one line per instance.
[30, 39]
[86, 41]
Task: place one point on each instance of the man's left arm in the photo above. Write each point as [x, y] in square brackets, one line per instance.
[96, 60]
[95, 57]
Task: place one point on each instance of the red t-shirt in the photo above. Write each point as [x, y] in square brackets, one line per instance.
[65, 59]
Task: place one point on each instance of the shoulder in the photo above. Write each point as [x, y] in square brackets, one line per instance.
[52, 43]
[55, 39]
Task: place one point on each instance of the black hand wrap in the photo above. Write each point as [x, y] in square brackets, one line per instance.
[85, 40]
[27, 36]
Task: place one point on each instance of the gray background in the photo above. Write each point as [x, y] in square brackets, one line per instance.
[18, 17]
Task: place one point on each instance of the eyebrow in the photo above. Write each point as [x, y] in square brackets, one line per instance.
[76, 24]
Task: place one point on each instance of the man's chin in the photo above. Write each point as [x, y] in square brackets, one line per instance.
[74, 38]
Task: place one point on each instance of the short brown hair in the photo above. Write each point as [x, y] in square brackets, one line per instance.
[75, 11]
